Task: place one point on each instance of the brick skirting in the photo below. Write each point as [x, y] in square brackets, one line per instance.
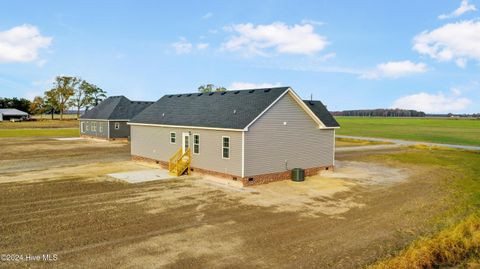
[246, 181]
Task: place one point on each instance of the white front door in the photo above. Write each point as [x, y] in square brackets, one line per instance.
[185, 142]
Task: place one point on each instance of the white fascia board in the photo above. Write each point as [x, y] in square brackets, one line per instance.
[184, 127]
[104, 119]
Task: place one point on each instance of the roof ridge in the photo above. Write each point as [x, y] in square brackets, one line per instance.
[234, 90]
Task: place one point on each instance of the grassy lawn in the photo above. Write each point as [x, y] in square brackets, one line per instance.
[458, 240]
[61, 132]
[46, 123]
[446, 131]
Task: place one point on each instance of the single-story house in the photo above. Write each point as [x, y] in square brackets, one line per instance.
[108, 120]
[12, 114]
[254, 136]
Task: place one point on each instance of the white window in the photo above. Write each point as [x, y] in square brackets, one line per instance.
[100, 128]
[225, 147]
[86, 127]
[117, 125]
[173, 137]
[196, 144]
[82, 127]
[94, 126]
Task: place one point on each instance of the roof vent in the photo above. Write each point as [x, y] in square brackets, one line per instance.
[200, 94]
[179, 95]
[251, 91]
[311, 103]
[212, 93]
[170, 96]
[267, 90]
[163, 114]
[223, 93]
[234, 111]
[236, 92]
[189, 95]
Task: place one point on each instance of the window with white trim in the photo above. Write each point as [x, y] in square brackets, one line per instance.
[87, 126]
[94, 126]
[196, 144]
[225, 147]
[82, 127]
[173, 137]
[117, 125]
[100, 128]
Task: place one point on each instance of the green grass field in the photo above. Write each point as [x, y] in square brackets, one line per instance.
[442, 130]
[54, 132]
[458, 242]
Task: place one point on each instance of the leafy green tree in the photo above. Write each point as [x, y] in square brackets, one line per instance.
[81, 97]
[97, 95]
[20, 104]
[211, 88]
[37, 106]
[63, 89]
[51, 102]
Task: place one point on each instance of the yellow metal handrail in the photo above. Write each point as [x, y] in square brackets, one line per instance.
[173, 160]
[179, 162]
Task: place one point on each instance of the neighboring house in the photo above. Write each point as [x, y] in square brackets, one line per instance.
[108, 120]
[253, 136]
[12, 114]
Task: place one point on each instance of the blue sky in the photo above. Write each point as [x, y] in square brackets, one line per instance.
[350, 54]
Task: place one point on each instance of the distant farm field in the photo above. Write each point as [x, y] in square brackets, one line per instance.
[442, 130]
[54, 132]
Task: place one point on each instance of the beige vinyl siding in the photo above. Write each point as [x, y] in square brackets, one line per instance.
[154, 142]
[271, 146]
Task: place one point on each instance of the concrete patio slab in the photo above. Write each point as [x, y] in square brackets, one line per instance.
[143, 175]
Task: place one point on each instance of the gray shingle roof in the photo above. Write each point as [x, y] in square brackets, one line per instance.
[12, 112]
[230, 110]
[322, 113]
[116, 108]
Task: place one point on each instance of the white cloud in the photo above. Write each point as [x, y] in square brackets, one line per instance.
[22, 44]
[395, 70]
[249, 85]
[464, 7]
[259, 39]
[207, 15]
[182, 46]
[313, 22]
[454, 41]
[202, 46]
[433, 103]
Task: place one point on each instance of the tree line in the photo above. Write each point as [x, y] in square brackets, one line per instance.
[380, 113]
[18, 103]
[67, 92]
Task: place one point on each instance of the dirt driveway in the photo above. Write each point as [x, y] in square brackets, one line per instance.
[57, 199]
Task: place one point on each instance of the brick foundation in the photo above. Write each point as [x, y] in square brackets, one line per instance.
[246, 181]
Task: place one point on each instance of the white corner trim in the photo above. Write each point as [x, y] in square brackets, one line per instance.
[243, 154]
[333, 161]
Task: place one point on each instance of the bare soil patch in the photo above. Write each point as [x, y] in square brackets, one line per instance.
[60, 200]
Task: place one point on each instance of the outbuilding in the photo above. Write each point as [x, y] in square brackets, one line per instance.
[12, 114]
[254, 136]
